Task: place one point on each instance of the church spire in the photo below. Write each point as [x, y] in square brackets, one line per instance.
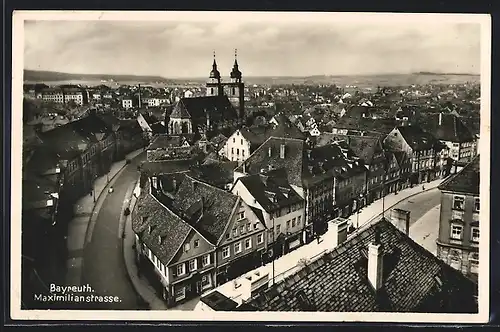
[236, 73]
[215, 73]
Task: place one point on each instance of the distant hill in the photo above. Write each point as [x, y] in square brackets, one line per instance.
[51, 76]
[360, 81]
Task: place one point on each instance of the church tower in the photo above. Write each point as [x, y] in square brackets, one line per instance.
[235, 89]
[214, 85]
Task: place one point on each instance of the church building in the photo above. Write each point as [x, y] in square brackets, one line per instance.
[220, 111]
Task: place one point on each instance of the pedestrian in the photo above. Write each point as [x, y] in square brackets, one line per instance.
[423, 187]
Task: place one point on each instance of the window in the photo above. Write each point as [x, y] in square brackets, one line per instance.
[192, 265]
[241, 215]
[225, 252]
[298, 220]
[248, 243]
[232, 150]
[476, 204]
[474, 235]
[288, 224]
[458, 202]
[205, 260]
[196, 243]
[474, 262]
[456, 231]
[249, 227]
[180, 293]
[278, 229]
[235, 231]
[242, 152]
[294, 222]
[206, 281]
[260, 238]
[237, 247]
[180, 269]
[228, 235]
[187, 247]
[242, 229]
[255, 226]
[234, 140]
[238, 152]
[241, 141]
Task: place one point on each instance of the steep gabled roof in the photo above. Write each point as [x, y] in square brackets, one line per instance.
[414, 280]
[261, 160]
[153, 221]
[218, 107]
[451, 129]
[417, 138]
[205, 207]
[465, 181]
[271, 189]
[365, 147]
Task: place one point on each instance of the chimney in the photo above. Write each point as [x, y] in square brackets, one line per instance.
[440, 118]
[401, 219]
[282, 151]
[269, 152]
[375, 264]
[140, 97]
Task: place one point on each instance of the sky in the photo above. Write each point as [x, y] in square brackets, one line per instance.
[182, 49]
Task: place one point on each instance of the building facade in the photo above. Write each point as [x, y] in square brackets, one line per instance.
[459, 235]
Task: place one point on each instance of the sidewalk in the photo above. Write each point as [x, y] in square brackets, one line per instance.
[86, 210]
[289, 263]
[425, 230]
[140, 283]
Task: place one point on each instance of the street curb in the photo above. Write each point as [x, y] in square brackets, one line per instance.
[128, 220]
[372, 219]
[98, 205]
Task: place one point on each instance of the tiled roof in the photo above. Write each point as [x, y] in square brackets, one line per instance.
[271, 190]
[365, 147]
[218, 140]
[205, 207]
[260, 160]
[414, 280]
[417, 138]
[157, 128]
[152, 221]
[304, 167]
[37, 188]
[217, 107]
[465, 181]
[167, 166]
[452, 129]
[41, 160]
[382, 126]
[216, 174]
[166, 141]
[66, 141]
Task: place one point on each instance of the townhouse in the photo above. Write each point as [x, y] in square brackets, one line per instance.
[451, 131]
[311, 172]
[192, 236]
[421, 147]
[243, 142]
[85, 148]
[281, 207]
[459, 231]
